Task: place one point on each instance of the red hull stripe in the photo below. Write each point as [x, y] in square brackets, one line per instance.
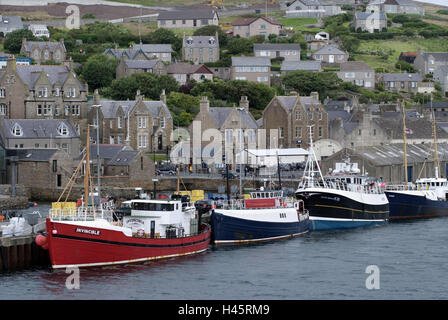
[132, 244]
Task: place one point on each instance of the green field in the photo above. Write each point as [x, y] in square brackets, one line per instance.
[393, 48]
[298, 24]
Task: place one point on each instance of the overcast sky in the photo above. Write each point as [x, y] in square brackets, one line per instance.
[439, 2]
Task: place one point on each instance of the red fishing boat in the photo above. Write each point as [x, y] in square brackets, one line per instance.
[91, 235]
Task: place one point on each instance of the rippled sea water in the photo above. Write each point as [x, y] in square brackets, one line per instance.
[411, 257]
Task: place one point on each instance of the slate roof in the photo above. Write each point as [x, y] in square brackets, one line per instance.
[37, 128]
[141, 64]
[436, 105]
[56, 74]
[35, 155]
[421, 128]
[153, 48]
[276, 46]
[438, 56]
[110, 107]
[251, 61]
[402, 77]
[187, 68]
[306, 65]
[42, 44]
[330, 49]
[366, 15]
[123, 158]
[200, 42]
[344, 115]
[355, 66]
[131, 53]
[248, 21]
[220, 114]
[186, 14]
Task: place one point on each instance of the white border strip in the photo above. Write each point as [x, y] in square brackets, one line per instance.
[348, 220]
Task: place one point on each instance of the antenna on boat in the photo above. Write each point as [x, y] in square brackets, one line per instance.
[311, 161]
[405, 159]
[87, 169]
[434, 132]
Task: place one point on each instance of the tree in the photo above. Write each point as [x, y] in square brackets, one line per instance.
[99, 71]
[164, 36]
[305, 82]
[183, 107]
[13, 40]
[239, 46]
[149, 84]
[350, 43]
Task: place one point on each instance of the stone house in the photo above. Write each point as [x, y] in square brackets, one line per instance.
[143, 125]
[396, 7]
[128, 67]
[288, 51]
[121, 165]
[9, 24]
[187, 19]
[41, 169]
[289, 118]
[200, 49]
[409, 82]
[330, 54]
[40, 134]
[227, 121]
[44, 92]
[249, 27]
[41, 51]
[428, 62]
[127, 54]
[441, 76]
[370, 21]
[158, 51]
[358, 73]
[312, 9]
[184, 72]
[254, 69]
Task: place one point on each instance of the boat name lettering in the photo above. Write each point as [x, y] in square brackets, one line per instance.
[330, 198]
[88, 231]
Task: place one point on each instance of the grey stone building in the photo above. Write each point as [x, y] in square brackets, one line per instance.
[187, 19]
[408, 82]
[372, 22]
[312, 9]
[184, 72]
[441, 76]
[249, 27]
[291, 117]
[128, 67]
[254, 69]
[158, 51]
[288, 51]
[428, 62]
[396, 7]
[41, 51]
[330, 54]
[358, 73]
[200, 49]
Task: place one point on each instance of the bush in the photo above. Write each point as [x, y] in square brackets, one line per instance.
[88, 16]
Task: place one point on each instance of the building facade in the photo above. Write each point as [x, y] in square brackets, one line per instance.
[288, 51]
[358, 73]
[200, 49]
[252, 69]
[249, 27]
[187, 19]
[41, 51]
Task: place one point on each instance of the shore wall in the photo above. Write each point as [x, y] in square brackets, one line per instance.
[20, 201]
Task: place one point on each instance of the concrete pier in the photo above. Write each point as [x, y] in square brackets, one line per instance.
[21, 252]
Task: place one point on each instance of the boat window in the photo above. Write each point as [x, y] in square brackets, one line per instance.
[148, 206]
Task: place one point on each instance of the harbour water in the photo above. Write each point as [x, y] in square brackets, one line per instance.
[410, 257]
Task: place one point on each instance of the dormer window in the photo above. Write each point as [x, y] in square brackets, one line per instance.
[212, 41]
[63, 129]
[42, 92]
[17, 130]
[190, 41]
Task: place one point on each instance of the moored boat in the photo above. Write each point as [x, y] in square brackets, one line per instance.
[266, 216]
[341, 201]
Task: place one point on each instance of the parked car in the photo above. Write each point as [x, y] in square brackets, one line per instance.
[169, 170]
[232, 174]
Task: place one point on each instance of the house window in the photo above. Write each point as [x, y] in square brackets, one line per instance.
[2, 109]
[142, 141]
[320, 131]
[112, 139]
[141, 122]
[349, 74]
[2, 92]
[75, 110]
[17, 130]
[229, 135]
[120, 139]
[374, 132]
[251, 136]
[47, 109]
[63, 129]
[174, 21]
[263, 27]
[162, 22]
[310, 115]
[298, 115]
[162, 122]
[359, 132]
[320, 115]
[55, 165]
[280, 130]
[39, 110]
[42, 92]
[262, 79]
[120, 122]
[212, 41]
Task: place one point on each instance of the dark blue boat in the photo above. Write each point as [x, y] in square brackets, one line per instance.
[244, 222]
[415, 204]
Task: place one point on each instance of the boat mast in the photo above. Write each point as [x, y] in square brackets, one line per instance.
[87, 170]
[434, 133]
[312, 160]
[405, 159]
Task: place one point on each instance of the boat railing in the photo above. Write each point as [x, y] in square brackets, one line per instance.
[341, 185]
[400, 187]
[238, 204]
[80, 214]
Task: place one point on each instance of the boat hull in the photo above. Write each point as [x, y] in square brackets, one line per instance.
[414, 205]
[341, 209]
[84, 245]
[228, 229]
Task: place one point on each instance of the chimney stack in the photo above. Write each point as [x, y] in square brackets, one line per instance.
[163, 96]
[244, 103]
[204, 105]
[315, 95]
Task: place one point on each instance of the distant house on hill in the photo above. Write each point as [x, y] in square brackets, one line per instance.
[187, 19]
[249, 27]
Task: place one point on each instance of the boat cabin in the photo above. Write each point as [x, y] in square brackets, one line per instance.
[438, 185]
[161, 219]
